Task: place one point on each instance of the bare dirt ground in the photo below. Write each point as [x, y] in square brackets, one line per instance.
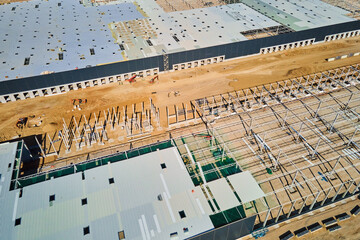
[191, 83]
[350, 229]
[180, 5]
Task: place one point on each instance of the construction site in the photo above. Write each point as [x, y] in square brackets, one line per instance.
[258, 137]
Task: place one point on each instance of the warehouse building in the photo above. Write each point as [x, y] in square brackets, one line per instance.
[66, 46]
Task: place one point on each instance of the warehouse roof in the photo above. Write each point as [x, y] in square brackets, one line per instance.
[64, 35]
[141, 198]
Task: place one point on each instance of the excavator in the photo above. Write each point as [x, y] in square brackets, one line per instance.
[21, 123]
[132, 79]
[154, 78]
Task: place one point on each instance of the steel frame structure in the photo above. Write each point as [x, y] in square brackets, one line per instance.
[304, 130]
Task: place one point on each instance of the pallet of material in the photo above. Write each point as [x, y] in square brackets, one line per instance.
[286, 236]
[333, 228]
[329, 221]
[314, 227]
[301, 232]
[342, 217]
[355, 211]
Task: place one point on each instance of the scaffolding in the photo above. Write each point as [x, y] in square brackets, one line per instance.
[298, 137]
[129, 122]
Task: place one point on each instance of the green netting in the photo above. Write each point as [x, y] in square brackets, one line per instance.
[211, 176]
[211, 206]
[30, 181]
[232, 214]
[196, 181]
[54, 174]
[241, 210]
[18, 152]
[19, 146]
[228, 216]
[131, 154]
[12, 185]
[66, 171]
[230, 170]
[14, 174]
[237, 196]
[120, 157]
[218, 220]
[145, 150]
[216, 204]
[80, 167]
[88, 165]
[161, 146]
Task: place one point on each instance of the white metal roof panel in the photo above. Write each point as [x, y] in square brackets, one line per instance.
[223, 194]
[130, 204]
[246, 186]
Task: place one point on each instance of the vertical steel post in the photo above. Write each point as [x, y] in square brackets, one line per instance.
[337, 192]
[347, 104]
[266, 218]
[303, 205]
[299, 132]
[315, 199]
[277, 217]
[317, 110]
[326, 197]
[333, 123]
[51, 143]
[286, 114]
[291, 208]
[348, 188]
[315, 150]
[357, 187]
[293, 181]
[42, 151]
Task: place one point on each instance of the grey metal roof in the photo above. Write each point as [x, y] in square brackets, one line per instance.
[300, 14]
[230, 50]
[44, 32]
[41, 30]
[130, 204]
[7, 199]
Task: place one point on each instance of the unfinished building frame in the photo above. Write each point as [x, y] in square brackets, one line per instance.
[298, 138]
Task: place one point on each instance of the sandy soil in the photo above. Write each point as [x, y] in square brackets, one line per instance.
[191, 83]
[180, 5]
